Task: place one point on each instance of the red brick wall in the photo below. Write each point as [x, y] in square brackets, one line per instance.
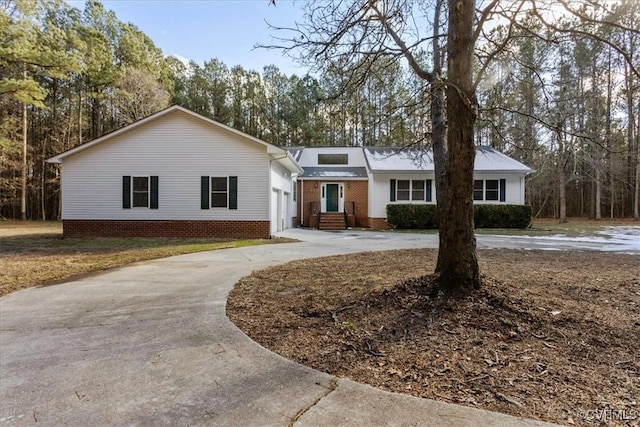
[309, 195]
[114, 228]
[356, 195]
[378, 223]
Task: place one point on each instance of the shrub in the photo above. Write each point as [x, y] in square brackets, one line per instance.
[410, 216]
[502, 216]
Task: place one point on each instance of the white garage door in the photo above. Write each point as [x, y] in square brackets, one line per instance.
[274, 211]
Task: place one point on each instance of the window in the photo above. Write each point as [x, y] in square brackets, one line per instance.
[417, 190]
[489, 190]
[410, 190]
[404, 190]
[478, 189]
[333, 159]
[140, 192]
[219, 192]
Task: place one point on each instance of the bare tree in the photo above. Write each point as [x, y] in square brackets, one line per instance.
[138, 95]
[353, 36]
[350, 37]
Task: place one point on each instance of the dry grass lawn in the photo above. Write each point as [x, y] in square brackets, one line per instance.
[35, 253]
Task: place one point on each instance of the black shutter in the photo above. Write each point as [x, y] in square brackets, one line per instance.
[126, 192]
[392, 192]
[428, 190]
[153, 199]
[233, 192]
[503, 190]
[204, 192]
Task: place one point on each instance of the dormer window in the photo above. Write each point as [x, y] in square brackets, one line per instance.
[333, 159]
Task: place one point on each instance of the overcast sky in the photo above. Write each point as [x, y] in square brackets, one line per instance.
[203, 29]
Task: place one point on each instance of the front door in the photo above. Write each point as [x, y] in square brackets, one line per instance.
[332, 197]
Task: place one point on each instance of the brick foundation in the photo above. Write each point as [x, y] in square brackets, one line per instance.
[378, 224]
[126, 228]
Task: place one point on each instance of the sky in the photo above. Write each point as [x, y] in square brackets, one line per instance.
[200, 30]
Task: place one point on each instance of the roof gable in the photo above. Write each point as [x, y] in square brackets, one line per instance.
[279, 154]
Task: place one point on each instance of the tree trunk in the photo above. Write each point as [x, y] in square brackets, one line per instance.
[23, 178]
[608, 138]
[96, 117]
[79, 117]
[43, 206]
[636, 194]
[438, 120]
[613, 197]
[457, 266]
[632, 149]
[598, 193]
[563, 191]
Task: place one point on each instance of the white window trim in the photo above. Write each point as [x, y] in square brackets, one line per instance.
[411, 199]
[484, 191]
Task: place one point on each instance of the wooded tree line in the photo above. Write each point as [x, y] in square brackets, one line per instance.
[563, 104]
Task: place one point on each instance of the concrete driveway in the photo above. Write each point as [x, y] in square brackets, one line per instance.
[150, 344]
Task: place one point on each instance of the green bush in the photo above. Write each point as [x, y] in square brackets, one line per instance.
[502, 216]
[410, 216]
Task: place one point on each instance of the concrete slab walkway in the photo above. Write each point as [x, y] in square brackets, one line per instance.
[150, 344]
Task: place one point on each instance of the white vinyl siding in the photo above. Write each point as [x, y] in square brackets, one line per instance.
[179, 149]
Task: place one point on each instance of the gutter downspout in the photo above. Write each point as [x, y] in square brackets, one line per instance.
[302, 202]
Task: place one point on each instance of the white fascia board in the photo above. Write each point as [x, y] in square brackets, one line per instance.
[285, 158]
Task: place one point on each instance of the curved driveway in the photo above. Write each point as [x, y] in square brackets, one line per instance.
[149, 344]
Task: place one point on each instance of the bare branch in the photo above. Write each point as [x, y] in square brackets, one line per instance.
[421, 72]
[484, 17]
[586, 18]
[626, 55]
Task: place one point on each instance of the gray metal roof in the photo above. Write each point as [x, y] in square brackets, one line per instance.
[398, 159]
[334, 172]
[489, 159]
[393, 159]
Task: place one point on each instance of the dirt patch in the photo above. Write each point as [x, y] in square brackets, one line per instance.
[552, 335]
